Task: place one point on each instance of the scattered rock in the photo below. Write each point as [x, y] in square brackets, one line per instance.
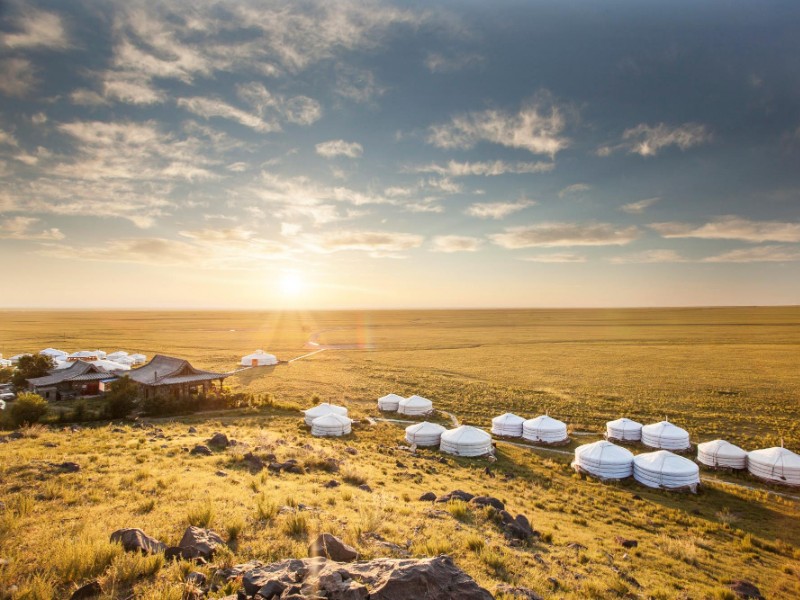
[50, 445]
[196, 578]
[427, 497]
[365, 487]
[455, 494]
[576, 546]
[220, 440]
[626, 543]
[517, 528]
[488, 501]
[351, 450]
[69, 467]
[173, 553]
[221, 474]
[399, 464]
[330, 546]
[331, 484]
[192, 430]
[745, 589]
[136, 540]
[199, 543]
[15, 435]
[488, 472]
[88, 590]
[254, 461]
[518, 592]
[201, 450]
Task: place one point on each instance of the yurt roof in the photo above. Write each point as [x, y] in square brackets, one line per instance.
[508, 418]
[117, 353]
[392, 397]
[604, 451]
[665, 429]
[425, 428]
[135, 356]
[109, 365]
[722, 449]
[52, 352]
[466, 434]
[416, 401]
[82, 353]
[624, 422]
[545, 422]
[259, 354]
[777, 455]
[323, 409]
[665, 461]
[331, 419]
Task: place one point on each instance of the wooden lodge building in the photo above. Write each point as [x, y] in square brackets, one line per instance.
[162, 376]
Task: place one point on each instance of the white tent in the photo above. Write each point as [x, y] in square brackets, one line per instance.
[83, 355]
[138, 359]
[100, 353]
[663, 469]
[415, 405]
[116, 355]
[4, 362]
[624, 430]
[390, 402]
[665, 436]
[63, 364]
[544, 429]
[323, 409]
[53, 353]
[466, 441]
[259, 358]
[424, 434]
[777, 465]
[109, 365]
[330, 425]
[507, 425]
[122, 360]
[604, 460]
[719, 453]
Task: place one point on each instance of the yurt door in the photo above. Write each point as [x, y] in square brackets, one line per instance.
[254, 362]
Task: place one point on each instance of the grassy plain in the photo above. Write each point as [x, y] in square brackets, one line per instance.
[733, 373]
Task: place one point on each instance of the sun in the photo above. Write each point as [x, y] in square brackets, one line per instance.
[291, 284]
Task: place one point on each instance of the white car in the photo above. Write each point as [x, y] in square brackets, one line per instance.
[7, 395]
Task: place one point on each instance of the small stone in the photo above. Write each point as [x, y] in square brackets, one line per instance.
[351, 450]
[86, 591]
[136, 540]
[745, 589]
[69, 467]
[173, 553]
[427, 497]
[192, 430]
[330, 546]
[456, 495]
[200, 543]
[626, 543]
[518, 592]
[201, 450]
[219, 440]
[364, 487]
[196, 578]
[488, 501]
[331, 484]
[221, 474]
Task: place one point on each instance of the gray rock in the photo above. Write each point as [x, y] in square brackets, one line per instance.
[745, 589]
[86, 591]
[192, 430]
[330, 546]
[427, 497]
[365, 488]
[455, 495]
[201, 450]
[518, 592]
[136, 540]
[254, 461]
[196, 578]
[199, 543]
[331, 484]
[220, 440]
[488, 501]
[69, 467]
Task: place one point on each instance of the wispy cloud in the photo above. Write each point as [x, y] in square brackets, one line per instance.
[212, 107]
[497, 210]
[300, 110]
[565, 234]
[732, 227]
[437, 62]
[26, 228]
[456, 243]
[335, 148]
[649, 256]
[488, 168]
[647, 140]
[17, 77]
[636, 208]
[358, 85]
[575, 188]
[537, 128]
[36, 29]
[555, 258]
[379, 244]
[772, 253]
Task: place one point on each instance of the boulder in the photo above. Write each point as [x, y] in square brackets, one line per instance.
[331, 484]
[255, 462]
[488, 501]
[626, 543]
[196, 578]
[201, 450]
[220, 440]
[427, 497]
[86, 591]
[199, 543]
[745, 589]
[365, 488]
[192, 430]
[69, 467]
[330, 546]
[136, 540]
[455, 495]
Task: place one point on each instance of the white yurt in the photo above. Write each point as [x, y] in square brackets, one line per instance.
[116, 355]
[624, 430]
[259, 358]
[122, 360]
[330, 425]
[544, 429]
[777, 465]
[83, 355]
[507, 425]
[424, 434]
[62, 364]
[109, 365]
[138, 359]
[53, 353]
[663, 469]
[665, 436]
[604, 460]
[415, 405]
[721, 454]
[4, 362]
[466, 441]
[390, 402]
[100, 353]
[323, 409]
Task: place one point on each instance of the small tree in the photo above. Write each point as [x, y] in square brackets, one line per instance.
[121, 400]
[30, 366]
[5, 374]
[27, 410]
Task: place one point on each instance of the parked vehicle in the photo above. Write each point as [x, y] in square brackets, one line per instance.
[5, 396]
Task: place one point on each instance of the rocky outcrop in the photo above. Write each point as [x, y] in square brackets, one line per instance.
[329, 546]
[488, 501]
[199, 543]
[379, 579]
[455, 495]
[201, 450]
[745, 589]
[136, 540]
[218, 440]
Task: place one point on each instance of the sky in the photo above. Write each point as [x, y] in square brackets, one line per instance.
[365, 154]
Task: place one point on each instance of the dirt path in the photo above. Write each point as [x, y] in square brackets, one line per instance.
[307, 355]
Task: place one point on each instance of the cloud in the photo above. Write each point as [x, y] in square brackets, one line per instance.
[636, 208]
[128, 87]
[555, 258]
[575, 188]
[86, 97]
[549, 235]
[426, 206]
[773, 253]
[456, 243]
[300, 110]
[497, 210]
[537, 128]
[649, 256]
[210, 107]
[376, 243]
[647, 140]
[36, 29]
[7, 139]
[488, 168]
[440, 63]
[22, 228]
[731, 227]
[335, 148]
[358, 85]
[16, 77]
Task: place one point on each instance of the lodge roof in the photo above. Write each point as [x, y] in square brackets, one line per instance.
[169, 370]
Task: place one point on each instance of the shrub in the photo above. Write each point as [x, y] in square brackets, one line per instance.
[79, 410]
[121, 400]
[28, 409]
[30, 366]
[201, 515]
[296, 525]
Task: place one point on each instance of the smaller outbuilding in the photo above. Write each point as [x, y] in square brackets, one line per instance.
[259, 358]
[720, 454]
[545, 430]
[775, 465]
[665, 470]
[665, 436]
[603, 460]
[624, 430]
[331, 425]
[507, 425]
[389, 402]
[415, 406]
[466, 441]
[321, 410]
[424, 434]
